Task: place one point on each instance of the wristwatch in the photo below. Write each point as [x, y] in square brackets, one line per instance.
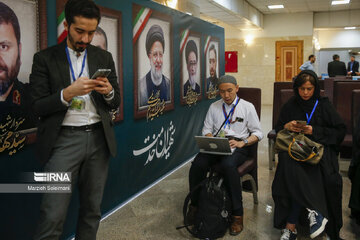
[245, 141]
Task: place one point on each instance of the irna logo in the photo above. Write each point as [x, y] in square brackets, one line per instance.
[52, 177]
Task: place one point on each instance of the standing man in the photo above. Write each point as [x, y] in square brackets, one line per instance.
[244, 128]
[14, 95]
[336, 67]
[309, 64]
[211, 81]
[353, 66]
[191, 56]
[75, 132]
[154, 80]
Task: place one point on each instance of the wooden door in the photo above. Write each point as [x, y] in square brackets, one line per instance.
[289, 57]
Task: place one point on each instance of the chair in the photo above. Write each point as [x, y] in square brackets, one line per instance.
[248, 170]
[278, 86]
[342, 102]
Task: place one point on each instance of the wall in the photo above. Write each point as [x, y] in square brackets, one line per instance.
[337, 19]
[339, 38]
[256, 61]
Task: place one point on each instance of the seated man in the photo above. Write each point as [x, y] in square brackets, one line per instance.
[244, 128]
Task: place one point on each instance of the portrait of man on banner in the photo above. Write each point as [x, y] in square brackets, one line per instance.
[15, 63]
[212, 65]
[154, 49]
[191, 67]
[107, 37]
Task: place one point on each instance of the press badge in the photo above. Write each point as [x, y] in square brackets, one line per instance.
[77, 103]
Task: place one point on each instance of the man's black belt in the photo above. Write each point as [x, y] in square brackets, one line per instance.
[86, 128]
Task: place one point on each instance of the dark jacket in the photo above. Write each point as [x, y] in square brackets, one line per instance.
[50, 74]
[355, 68]
[187, 85]
[336, 68]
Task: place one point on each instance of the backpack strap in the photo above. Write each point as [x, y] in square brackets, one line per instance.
[187, 200]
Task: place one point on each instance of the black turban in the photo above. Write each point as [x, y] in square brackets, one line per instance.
[154, 34]
[190, 47]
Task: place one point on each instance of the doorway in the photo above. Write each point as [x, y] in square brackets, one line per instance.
[289, 57]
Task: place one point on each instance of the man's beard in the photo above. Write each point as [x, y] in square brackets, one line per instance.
[77, 49]
[192, 80]
[10, 76]
[156, 75]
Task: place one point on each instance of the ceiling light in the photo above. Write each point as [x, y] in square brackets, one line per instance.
[349, 28]
[275, 6]
[340, 2]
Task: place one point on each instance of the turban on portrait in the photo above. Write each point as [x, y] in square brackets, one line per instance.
[154, 34]
[190, 47]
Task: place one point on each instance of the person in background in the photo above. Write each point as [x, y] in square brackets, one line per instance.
[308, 65]
[300, 186]
[336, 67]
[354, 174]
[353, 67]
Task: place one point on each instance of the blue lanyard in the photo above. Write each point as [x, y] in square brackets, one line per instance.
[312, 112]
[71, 67]
[231, 113]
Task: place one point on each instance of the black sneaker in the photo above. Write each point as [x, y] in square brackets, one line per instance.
[287, 234]
[317, 223]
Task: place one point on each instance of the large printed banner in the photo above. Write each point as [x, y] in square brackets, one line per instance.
[167, 65]
[21, 35]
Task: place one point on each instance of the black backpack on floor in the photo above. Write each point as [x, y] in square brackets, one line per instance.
[212, 218]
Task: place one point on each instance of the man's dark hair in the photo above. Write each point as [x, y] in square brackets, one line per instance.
[335, 57]
[102, 32]
[311, 56]
[190, 47]
[212, 48]
[84, 8]
[7, 16]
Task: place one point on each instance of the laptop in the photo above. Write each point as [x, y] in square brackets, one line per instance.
[213, 145]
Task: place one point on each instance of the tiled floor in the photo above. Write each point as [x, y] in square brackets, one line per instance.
[157, 212]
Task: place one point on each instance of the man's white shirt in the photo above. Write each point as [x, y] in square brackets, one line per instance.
[247, 121]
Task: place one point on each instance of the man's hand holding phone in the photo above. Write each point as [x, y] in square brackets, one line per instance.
[102, 84]
[82, 86]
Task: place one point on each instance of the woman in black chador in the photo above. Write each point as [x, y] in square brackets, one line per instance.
[354, 174]
[300, 186]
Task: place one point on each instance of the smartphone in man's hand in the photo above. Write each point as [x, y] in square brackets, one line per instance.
[101, 73]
